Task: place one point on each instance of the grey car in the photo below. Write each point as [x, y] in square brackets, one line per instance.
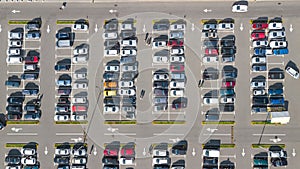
[177, 34]
[161, 26]
[128, 59]
[127, 34]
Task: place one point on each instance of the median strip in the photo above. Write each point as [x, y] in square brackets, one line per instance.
[120, 122]
[263, 122]
[167, 122]
[219, 122]
[23, 122]
[18, 145]
[64, 22]
[267, 145]
[223, 146]
[18, 22]
[71, 122]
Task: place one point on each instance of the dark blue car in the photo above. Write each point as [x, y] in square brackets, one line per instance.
[276, 100]
[282, 51]
[275, 91]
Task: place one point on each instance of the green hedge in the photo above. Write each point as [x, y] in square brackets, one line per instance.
[267, 145]
[218, 122]
[71, 122]
[23, 122]
[62, 22]
[120, 122]
[224, 145]
[18, 22]
[20, 145]
[263, 123]
[167, 122]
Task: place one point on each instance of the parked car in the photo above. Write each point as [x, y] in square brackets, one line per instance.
[260, 25]
[260, 43]
[259, 67]
[258, 59]
[276, 34]
[226, 26]
[255, 35]
[278, 44]
[275, 25]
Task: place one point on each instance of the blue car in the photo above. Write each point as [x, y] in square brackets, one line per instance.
[275, 91]
[276, 100]
[262, 51]
[65, 82]
[12, 83]
[226, 92]
[282, 51]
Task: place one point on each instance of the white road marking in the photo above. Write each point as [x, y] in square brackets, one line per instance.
[110, 134]
[69, 134]
[168, 134]
[217, 134]
[22, 134]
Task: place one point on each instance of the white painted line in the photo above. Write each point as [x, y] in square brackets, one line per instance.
[8, 72]
[213, 134]
[269, 134]
[168, 134]
[228, 156]
[22, 134]
[29, 48]
[128, 134]
[63, 56]
[69, 134]
[80, 40]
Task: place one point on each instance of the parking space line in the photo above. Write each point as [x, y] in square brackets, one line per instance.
[168, 134]
[22, 134]
[69, 134]
[14, 72]
[81, 40]
[30, 48]
[129, 134]
[62, 56]
[229, 156]
[214, 134]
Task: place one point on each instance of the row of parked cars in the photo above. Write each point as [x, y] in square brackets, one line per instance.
[119, 75]
[67, 157]
[278, 158]
[72, 108]
[26, 159]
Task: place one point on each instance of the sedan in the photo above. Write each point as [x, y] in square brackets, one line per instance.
[61, 118]
[278, 44]
[158, 44]
[210, 59]
[228, 51]
[79, 160]
[177, 51]
[227, 99]
[175, 42]
[226, 84]
[110, 35]
[177, 27]
[259, 67]
[226, 26]
[80, 51]
[259, 92]
[275, 25]
[258, 59]
[160, 59]
[127, 92]
[160, 77]
[260, 43]
[111, 109]
[80, 86]
[15, 43]
[276, 34]
[112, 68]
[260, 25]
[258, 35]
[126, 84]
[177, 92]
[28, 160]
[128, 52]
[211, 51]
[177, 58]
[80, 26]
[177, 68]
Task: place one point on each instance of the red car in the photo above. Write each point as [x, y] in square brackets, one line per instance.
[31, 59]
[177, 68]
[175, 42]
[228, 84]
[110, 152]
[258, 35]
[127, 152]
[76, 108]
[260, 25]
[211, 51]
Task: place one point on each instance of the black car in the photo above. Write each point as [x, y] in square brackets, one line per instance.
[161, 26]
[278, 162]
[110, 160]
[15, 100]
[212, 115]
[61, 160]
[228, 50]
[161, 84]
[111, 76]
[210, 161]
[211, 74]
[180, 148]
[14, 115]
[179, 103]
[227, 43]
[260, 100]
[63, 100]
[229, 72]
[62, 67]
[160, 92]
[228, 58]
[14, 108]
[12, 160]
[276, 73]
[228, 107]
[259, 108]
[111, 101]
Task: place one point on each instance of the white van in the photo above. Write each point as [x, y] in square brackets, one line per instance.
[14, 59]
[63, 43]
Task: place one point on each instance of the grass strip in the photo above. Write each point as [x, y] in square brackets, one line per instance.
[70, 144]
[19, 145]
[223, 146]
[18, 22]
[267, 145]
[167, 122]
[259, 122]
[23, 122]
[62, 22]
[219, 122]
[120, 122]
[71, 122]
[155, 144]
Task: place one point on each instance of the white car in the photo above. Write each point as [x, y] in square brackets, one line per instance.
[80, 27]
[208, 100]
[128, 52]
[79, 152]
[127, 92]
[276, 34]
[80, 85]
[258, 59]
[78, 117]
[129, 68]
[209, 34]
[15, 43]
[61, 117]
[13, 167]
[209, 26]
[112, 68]
[227, 100]
[258, 84]
[177, 51]
[210, 59]
[177, 27]
[292, 72]
[15, 35]
[14, 59]
[126, 83]
[239, 8]
[278, 44]
[13, 51]
[126, 26]
[226, 26]
[28, 161]
[110, 35]
[78, 160]
[161, 160]
[79, 59]
[162, 76]
[79, 75]
[126, 161]
[258, 92]
[159, 44]
[129, 42]
[180, 59]
[28, 151]
[80, 51]
[177, 92]
[59, 151]
[259, 43]
[176, 84]
[275, 25]
[160, 59]
[79, 100]
[30, 67]
[111, 109]
[111, 52]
